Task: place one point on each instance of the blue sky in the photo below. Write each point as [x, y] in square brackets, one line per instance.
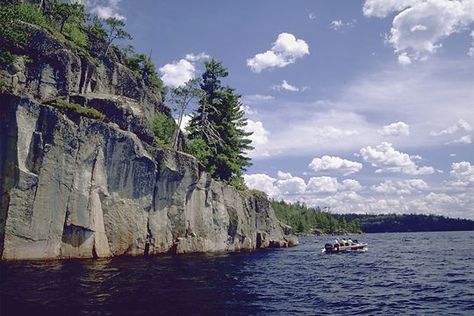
[360, 106]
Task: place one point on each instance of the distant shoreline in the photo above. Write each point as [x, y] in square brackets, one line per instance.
[406, 223]
[363, 233]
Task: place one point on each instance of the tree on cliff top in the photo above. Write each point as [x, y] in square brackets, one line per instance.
[115, 31]
[180, 99]
[64, 12]
[216, 132]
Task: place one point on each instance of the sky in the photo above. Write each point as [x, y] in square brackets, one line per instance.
[357, 106]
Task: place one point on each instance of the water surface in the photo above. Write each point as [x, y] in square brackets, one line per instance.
[405, 273]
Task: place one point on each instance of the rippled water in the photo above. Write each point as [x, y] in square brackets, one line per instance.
[409, 274]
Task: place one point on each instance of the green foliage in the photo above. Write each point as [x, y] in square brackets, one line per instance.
[31, 14]
[163, 128]
[199, 149]
[238, 183]
[73, 13]
[145, 69]
[6, 58]
[306, 220]
[14, 32]
[218, 127]
[69, 107]
[95, 27]
[77, 36]
[68, 18]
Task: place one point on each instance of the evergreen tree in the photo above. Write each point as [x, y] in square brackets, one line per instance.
[216, 132]
[65, 12]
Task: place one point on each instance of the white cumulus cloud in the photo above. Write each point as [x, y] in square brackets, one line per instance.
[401, 186]
[341, 26]
[350, 185]
[420, 26]
[285, 51]
[462, 173]
[259, 137]
[462, 140]
[404, 59]
[284, 85]
[387, 159]
[288, 184]
[196, 57]
[471, 50]
[105, 8]
[461, 125]
[322, 185]
[395, 129]
[179, 72]
[382, 8]
[337, 164]
[263, 183]
[257, 98]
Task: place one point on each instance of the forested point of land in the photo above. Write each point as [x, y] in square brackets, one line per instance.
[305, 219]
[388, 223]
[310, 220]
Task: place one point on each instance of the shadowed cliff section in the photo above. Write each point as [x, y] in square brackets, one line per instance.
[77, 185]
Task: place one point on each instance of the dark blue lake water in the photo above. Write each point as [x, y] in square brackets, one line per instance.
[406, 273]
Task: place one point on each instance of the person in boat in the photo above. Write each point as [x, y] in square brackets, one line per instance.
[349, 241]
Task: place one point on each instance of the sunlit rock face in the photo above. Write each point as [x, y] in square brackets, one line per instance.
[75, 187]
[78, 188]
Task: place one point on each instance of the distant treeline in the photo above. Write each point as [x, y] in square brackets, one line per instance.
[407, 223]
[304, 219]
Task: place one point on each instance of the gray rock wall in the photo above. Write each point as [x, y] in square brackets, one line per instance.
[72, 187]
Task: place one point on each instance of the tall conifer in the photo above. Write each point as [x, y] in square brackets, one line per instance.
[217, 130]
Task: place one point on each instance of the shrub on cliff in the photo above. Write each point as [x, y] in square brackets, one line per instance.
[144, 68]
[70, 107]
[163, 128]
[64, 21]
[13, 32]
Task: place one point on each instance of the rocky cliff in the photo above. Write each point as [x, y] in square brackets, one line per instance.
[76, 187]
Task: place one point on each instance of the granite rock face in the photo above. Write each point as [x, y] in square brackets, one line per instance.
[74, 187]
[78, 188]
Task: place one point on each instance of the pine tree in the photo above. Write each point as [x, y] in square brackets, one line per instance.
[217, 130]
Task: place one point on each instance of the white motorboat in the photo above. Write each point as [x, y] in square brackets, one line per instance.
[344, 247]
